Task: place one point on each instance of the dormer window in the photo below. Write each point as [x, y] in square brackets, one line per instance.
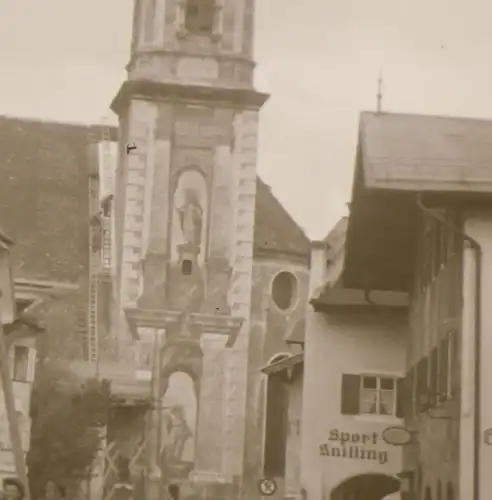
[199, 17]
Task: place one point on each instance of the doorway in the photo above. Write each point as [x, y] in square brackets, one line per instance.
[366, 487]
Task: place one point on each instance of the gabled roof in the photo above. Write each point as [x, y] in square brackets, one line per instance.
[43, 195]
[336, 235]
[398, 157]
[426, 153]
[276, 232]
[44, 169]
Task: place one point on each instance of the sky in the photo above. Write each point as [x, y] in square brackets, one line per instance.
[319, 59]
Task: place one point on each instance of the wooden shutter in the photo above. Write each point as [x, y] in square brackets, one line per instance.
[454, 368]
[31, 364]
[433, 375]
[402, 396]
[350, 394]
[410, 392]
[422, 383]
[443, 369]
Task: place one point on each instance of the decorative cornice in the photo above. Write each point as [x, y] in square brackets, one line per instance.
[174, 92]
[292, 256]
[40, 291]
[126, 389]
[207, 323]
[150, 318]
[218, 324]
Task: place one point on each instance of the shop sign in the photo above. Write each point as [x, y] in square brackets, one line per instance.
[354, 446]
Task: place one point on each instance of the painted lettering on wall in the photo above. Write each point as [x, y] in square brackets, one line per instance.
[353, 445]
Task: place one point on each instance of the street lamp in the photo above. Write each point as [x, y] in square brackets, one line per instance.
[8, 316]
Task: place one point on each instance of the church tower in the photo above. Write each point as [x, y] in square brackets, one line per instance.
[184, 207]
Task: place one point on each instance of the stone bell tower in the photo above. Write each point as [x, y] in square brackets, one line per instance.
[184, 215]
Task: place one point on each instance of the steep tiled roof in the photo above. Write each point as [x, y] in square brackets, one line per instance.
[43, 195]
[275, 230]
[336, 236]
[44, 169]
[421, 152]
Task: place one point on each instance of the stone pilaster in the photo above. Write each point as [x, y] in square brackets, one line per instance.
[244, 159]
[209, 429]
[141, 124]
[222, 208]
[160, 192]
[133, 226]
[238, 25]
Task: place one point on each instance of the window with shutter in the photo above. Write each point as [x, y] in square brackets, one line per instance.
[373, 395]
[350, 394]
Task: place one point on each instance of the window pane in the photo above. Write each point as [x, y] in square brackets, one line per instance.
[387, 384]
[386, 402]
[369, 401]
[21, 357]
[369, 383]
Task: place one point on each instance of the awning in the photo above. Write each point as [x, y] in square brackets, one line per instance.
[284, 364]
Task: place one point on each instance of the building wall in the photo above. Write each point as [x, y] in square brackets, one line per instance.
[189, 59]
[478, 225]
[348, 344]
[433, 354]
[269, 328]
[22, 394]
[293, 458]
[218, 144]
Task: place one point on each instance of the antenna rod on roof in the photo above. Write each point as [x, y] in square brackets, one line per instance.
[380, 91]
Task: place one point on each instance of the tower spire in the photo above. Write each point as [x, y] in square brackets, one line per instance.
[380, 91]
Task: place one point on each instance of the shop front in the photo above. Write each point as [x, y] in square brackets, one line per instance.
[354, 366]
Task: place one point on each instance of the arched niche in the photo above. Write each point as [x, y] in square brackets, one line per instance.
[279, 356]
[190, 214]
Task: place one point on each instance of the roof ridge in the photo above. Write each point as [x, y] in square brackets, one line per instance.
[426, 115]
[52, 121]
[280, 204]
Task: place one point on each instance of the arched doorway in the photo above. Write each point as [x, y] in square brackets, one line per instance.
[366, 487]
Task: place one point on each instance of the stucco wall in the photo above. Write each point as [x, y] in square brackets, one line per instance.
[269, 329]
[22, 394]
[293, 458]
[353, 344]
[479, 226]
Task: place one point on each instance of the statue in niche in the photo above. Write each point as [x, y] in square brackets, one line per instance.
[188, 231]
[190, 217]
[178, 432]
[178, 423]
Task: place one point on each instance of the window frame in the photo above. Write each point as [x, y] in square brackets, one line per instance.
[378, 390]
[15, 350]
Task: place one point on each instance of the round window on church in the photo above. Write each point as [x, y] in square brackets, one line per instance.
[284, 290]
